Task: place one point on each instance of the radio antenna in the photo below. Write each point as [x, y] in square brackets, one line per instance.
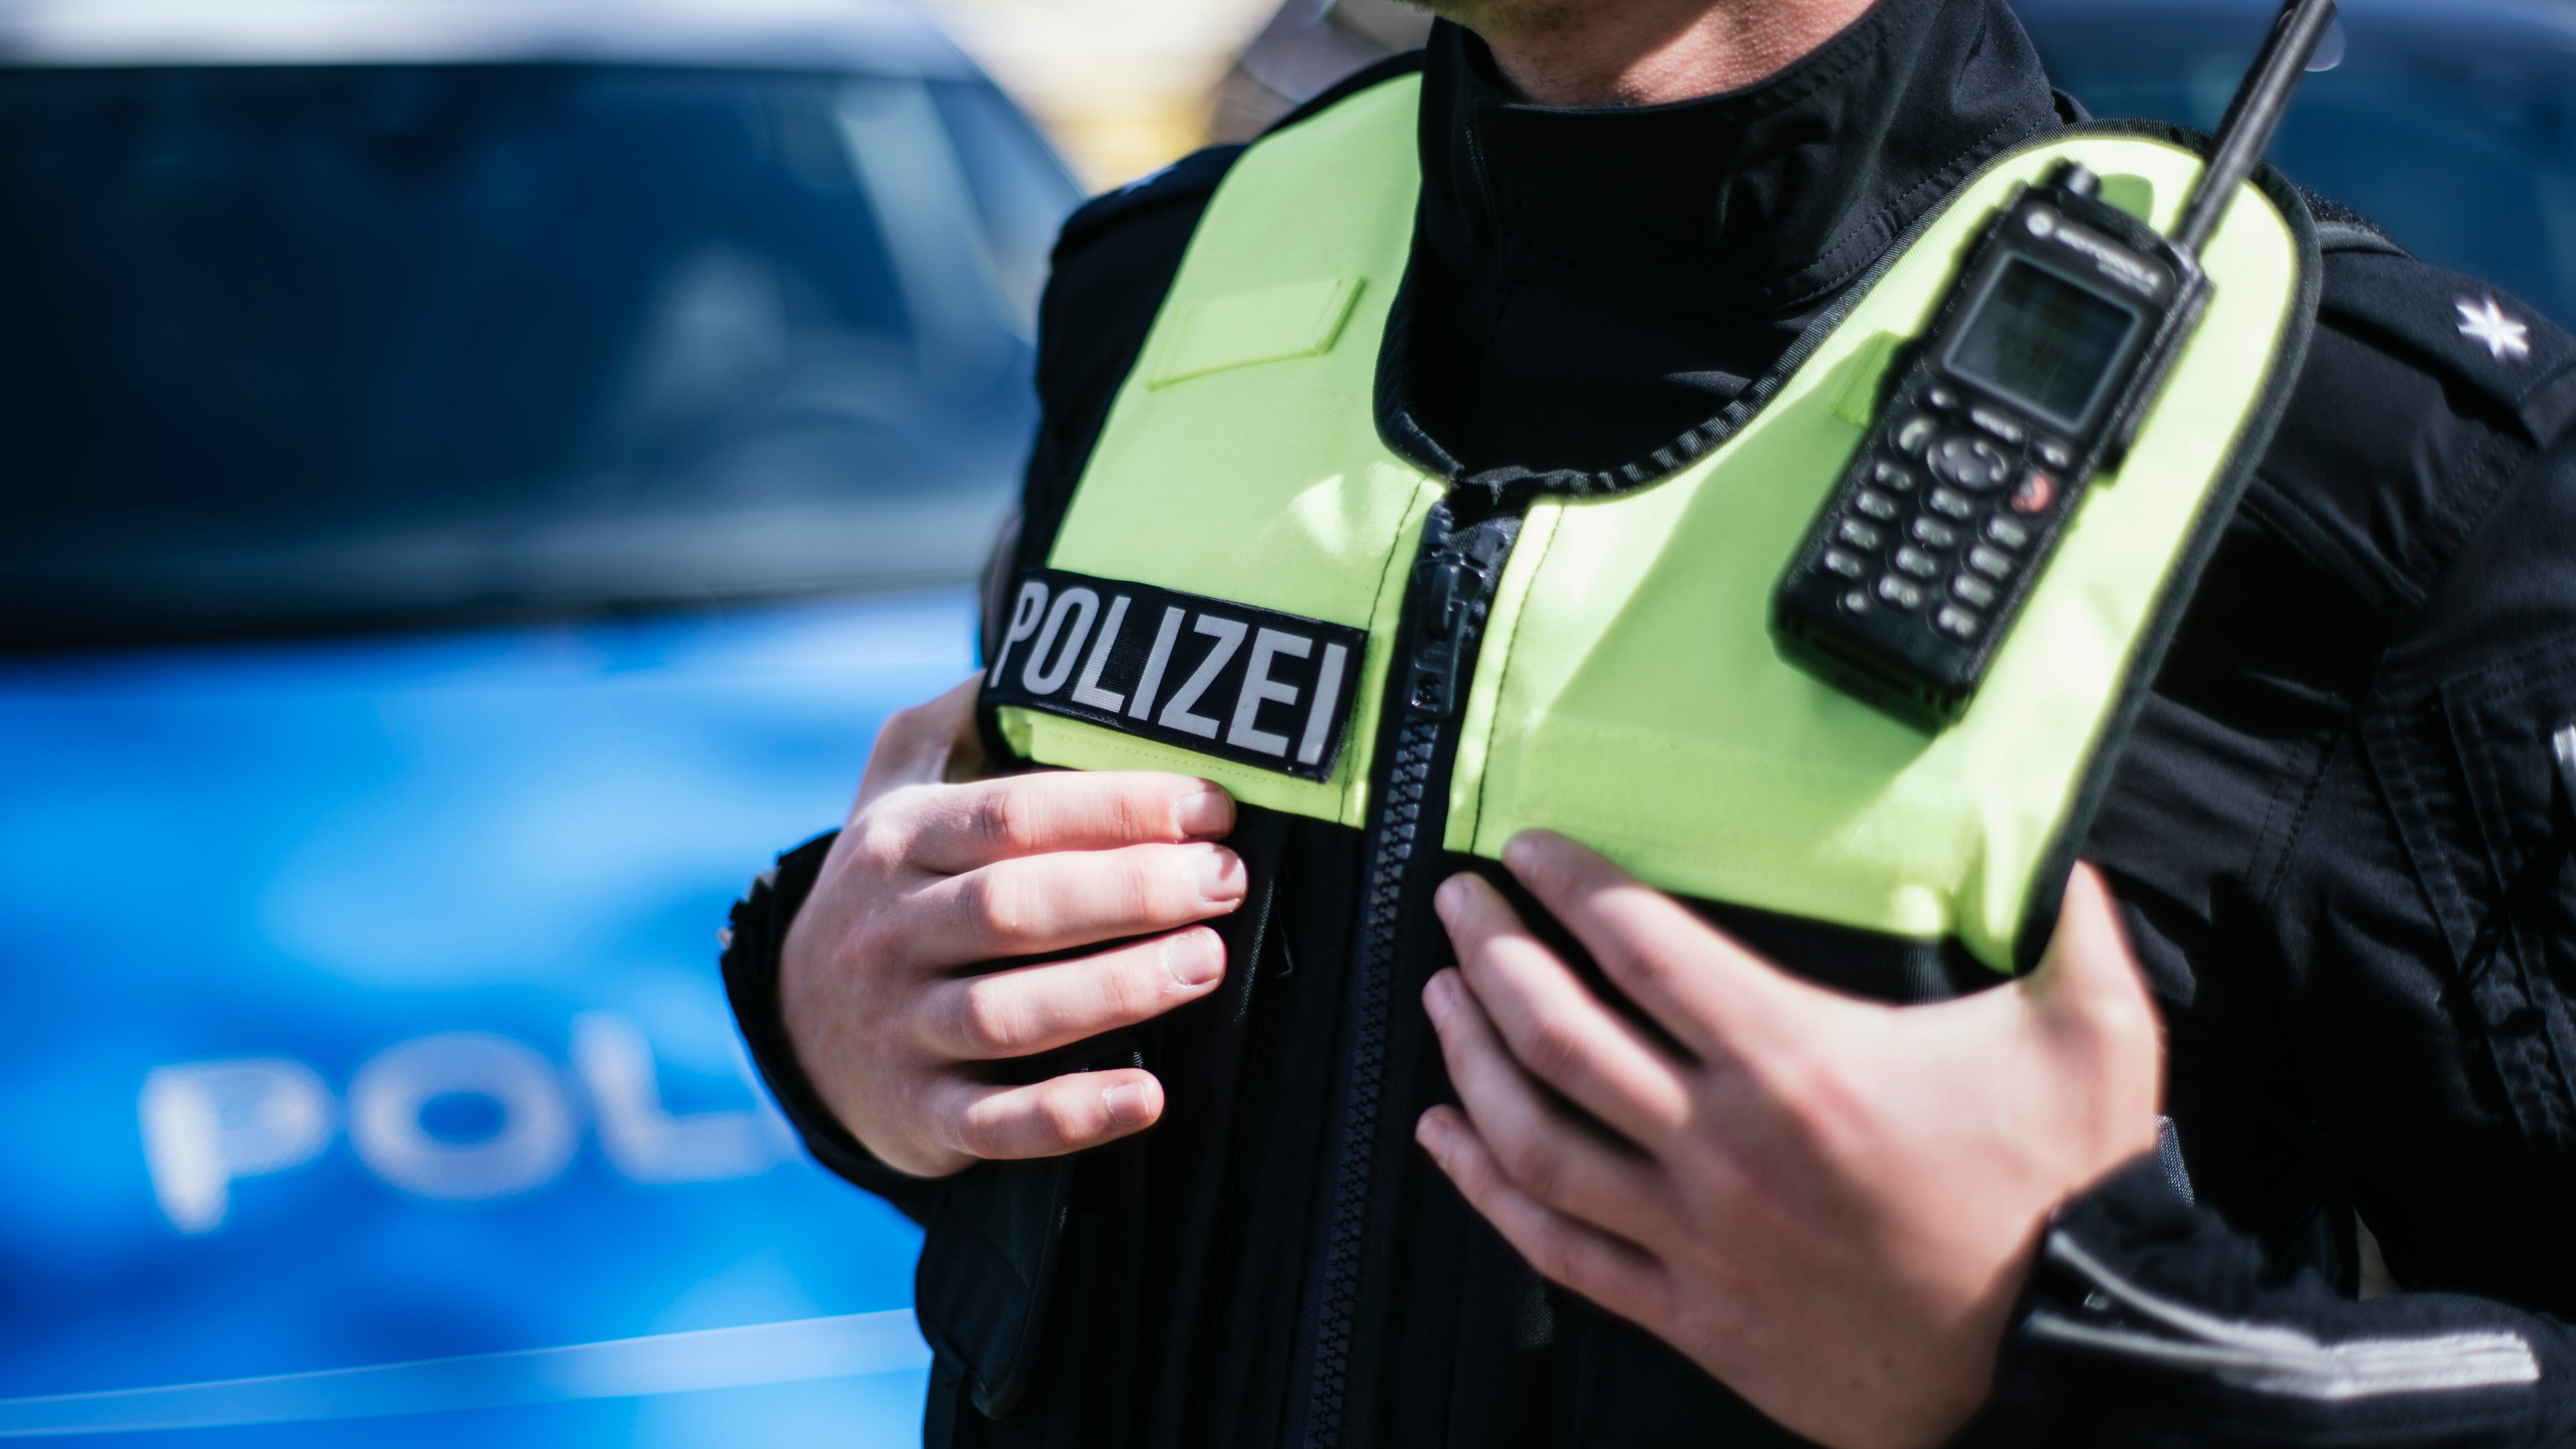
[2253, 116]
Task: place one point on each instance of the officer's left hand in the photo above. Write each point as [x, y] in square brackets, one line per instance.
[1827, 1204]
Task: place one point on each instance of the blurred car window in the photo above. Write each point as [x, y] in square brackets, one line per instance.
[293, 345]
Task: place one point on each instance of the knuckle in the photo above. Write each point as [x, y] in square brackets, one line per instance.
[987, 1021]
[1063, 1120]
[1530, 1163]
[1647, 970]
[979, 1136]
[881, 838]
[1145, 886]
[1130, 989]
[997, 905]
[1130, 809]
[2115, 1019]
[1550, 1050]
[1005, 820]
[1548, 1253]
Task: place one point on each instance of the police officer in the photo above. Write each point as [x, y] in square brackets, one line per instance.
[2335, 850]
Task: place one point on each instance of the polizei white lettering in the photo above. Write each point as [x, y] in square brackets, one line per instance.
[1255, 686]
[1228, 634]
[1259, 687]
[1087, 690]
[1042, 679]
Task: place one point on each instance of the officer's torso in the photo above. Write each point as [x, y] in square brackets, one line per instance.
[1191, 1256]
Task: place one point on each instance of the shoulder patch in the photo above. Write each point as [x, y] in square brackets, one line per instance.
[2474, 333]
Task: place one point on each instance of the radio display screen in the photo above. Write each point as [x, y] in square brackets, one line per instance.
[2043, 342]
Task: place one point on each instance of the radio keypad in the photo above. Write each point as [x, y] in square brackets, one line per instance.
[1969, 509]
[1971, 462]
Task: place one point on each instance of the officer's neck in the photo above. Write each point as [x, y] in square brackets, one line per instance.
[1647, 52]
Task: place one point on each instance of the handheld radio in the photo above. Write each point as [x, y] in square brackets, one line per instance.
[2041, 364]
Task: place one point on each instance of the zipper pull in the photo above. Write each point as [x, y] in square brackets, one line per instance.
[1456, 582]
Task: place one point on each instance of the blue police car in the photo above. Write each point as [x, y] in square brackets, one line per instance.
[473, 475]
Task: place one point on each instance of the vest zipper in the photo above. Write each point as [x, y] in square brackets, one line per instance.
[1447, 598]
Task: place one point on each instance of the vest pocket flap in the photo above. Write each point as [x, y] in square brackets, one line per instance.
[1271, 325]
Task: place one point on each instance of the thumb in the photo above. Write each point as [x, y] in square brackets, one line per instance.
[2091, 1006]
[932, 743]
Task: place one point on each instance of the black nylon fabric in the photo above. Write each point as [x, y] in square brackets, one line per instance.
[2322, 829]
[1692, 242]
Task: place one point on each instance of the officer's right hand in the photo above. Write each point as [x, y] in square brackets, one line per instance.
[883, 979]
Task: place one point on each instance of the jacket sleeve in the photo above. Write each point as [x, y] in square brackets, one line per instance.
[2149, 1322]
[2361, 996]
[751, 947]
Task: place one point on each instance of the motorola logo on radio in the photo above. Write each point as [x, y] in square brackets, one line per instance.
[2113, 262]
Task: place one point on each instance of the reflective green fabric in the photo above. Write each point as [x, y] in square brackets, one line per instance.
[1242, 460]
[1628, 693]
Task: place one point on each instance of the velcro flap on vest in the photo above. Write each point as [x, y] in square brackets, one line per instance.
[1271, 325]
[1253, 686]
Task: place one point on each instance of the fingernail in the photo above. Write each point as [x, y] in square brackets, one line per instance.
[1219, 873]
[1194, 958]
[1127, 1102]
[1207, 815]
[1450, 897]
[1436, 998]
[1518, 850]
[1432, 1133]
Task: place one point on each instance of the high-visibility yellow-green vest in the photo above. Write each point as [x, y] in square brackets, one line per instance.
[1242, 568]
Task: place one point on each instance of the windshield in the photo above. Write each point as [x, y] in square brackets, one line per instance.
[297, 346]
[2450, 123]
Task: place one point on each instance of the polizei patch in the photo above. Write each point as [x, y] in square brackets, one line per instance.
[1249, 685]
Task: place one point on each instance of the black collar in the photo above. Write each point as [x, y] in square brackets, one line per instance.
[1667, 254]
[1754, 199]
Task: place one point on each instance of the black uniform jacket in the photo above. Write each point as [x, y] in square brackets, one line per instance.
[2338, 830]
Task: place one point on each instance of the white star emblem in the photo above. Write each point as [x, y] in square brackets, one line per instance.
[2509, 340]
